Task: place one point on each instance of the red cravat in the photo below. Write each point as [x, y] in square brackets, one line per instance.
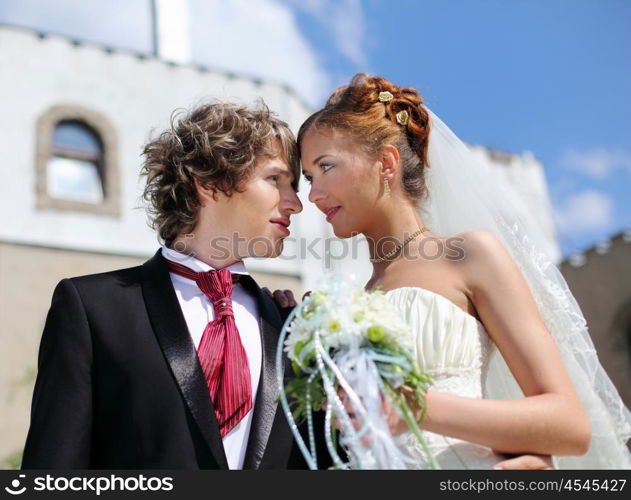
[220, 352]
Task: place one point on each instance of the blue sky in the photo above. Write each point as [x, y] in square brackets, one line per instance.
[549, 76]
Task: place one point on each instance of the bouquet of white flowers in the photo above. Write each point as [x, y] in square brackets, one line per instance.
[345, 339]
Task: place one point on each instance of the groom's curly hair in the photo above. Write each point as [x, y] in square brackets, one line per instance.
[370, 122]
[217, 144]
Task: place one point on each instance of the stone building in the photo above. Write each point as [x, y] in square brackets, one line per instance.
[600, 279]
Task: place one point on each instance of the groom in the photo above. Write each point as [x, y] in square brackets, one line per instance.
[171, 364]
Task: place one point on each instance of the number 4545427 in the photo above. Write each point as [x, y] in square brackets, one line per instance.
[594, 484]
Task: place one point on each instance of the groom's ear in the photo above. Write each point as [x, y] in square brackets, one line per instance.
[390, 161]
[205, 192]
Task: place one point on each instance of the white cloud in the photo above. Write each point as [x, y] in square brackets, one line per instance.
[597, 163]
[588, 210]
[344, 20]
[258, 38]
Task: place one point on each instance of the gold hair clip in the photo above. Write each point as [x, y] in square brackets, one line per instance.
[402, 117]
[385, 96]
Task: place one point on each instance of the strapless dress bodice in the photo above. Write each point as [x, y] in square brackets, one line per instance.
[454, 348]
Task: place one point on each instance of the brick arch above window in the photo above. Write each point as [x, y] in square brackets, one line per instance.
[80, 142]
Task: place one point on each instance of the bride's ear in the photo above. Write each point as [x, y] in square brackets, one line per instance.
[390, 161]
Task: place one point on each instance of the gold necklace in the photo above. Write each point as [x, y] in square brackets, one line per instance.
[399, 247]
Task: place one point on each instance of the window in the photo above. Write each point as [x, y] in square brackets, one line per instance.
[76, 162]
[75, 168]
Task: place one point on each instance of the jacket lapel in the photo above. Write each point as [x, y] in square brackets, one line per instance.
[170, 327]
[266, 404]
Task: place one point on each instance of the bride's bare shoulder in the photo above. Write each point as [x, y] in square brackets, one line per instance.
[469, 246]
[476, 244]
[485, 258]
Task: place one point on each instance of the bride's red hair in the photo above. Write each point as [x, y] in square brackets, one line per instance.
[356, 110]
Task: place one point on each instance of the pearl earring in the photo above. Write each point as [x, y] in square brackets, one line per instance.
[386, 187]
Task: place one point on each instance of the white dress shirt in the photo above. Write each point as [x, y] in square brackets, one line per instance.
[198, 312]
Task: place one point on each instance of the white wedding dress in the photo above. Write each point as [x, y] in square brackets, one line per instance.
[455, 349]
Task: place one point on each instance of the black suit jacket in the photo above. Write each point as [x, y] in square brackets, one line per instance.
[119, 384]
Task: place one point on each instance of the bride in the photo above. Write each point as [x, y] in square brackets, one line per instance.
[514, 369]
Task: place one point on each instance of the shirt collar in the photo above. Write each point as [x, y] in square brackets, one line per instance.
[196, 264]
